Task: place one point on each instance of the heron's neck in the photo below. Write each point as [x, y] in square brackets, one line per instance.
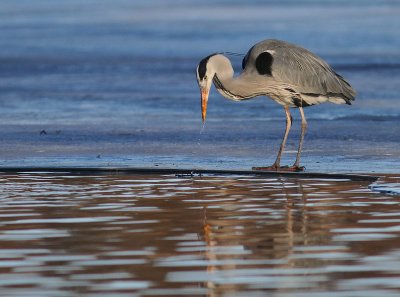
[234, 88]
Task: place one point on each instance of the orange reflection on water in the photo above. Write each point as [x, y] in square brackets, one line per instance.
[197, 236]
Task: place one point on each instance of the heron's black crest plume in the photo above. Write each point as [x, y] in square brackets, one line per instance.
[232, 54]
[202, 68]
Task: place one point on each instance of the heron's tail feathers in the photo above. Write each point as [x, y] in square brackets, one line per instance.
[347, 93]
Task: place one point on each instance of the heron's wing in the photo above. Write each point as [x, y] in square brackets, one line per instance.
[299, 67]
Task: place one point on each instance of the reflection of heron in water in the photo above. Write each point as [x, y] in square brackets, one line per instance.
[238, 239]
[290, 75]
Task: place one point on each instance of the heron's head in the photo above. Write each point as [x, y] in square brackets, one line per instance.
[205, 74]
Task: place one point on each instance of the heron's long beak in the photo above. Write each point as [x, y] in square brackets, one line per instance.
[204, 100]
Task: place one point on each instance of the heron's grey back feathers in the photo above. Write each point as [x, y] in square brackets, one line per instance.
[300, 68]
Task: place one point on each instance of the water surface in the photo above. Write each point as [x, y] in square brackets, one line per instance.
[164, 235]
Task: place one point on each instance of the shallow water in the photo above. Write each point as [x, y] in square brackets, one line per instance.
[150, 235]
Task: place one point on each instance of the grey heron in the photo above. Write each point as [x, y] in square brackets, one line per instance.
[291, 75]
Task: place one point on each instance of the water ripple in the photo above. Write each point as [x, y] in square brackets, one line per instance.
[208, 235]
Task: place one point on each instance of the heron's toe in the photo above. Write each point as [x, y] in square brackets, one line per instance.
[267, 168]
[291, 168]
[297, 168]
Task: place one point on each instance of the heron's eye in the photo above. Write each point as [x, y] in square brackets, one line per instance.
[205, 77]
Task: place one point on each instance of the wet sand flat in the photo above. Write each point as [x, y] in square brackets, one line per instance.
[84, 84]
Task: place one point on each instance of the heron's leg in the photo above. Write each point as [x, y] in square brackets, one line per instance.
[296, 164]
[277, 162]
[285, 136]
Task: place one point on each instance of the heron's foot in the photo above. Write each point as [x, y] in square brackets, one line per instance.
[267, 168]
[274, 167]
[293, 168]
